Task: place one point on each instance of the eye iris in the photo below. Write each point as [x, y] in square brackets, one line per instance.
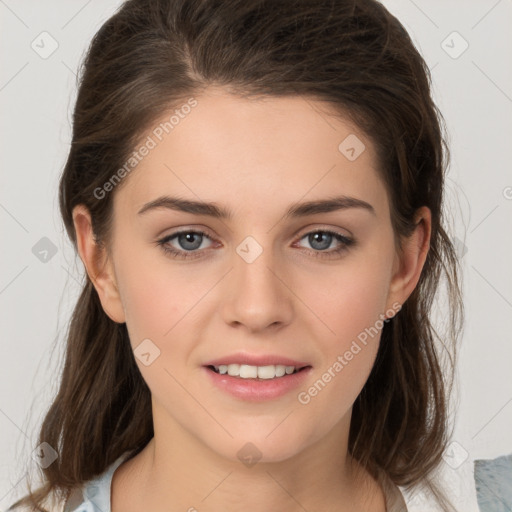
[320, 234]
[184, 237]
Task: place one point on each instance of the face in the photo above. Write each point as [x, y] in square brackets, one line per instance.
[312, 286]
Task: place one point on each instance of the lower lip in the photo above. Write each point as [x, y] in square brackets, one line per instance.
[257, 390]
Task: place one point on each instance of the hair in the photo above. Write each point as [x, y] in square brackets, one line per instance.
[353, 54]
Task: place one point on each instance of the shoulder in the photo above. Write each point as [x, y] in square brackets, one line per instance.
[51, 504]
[393, 496]
[91, 496]
[94, 495]
[78, 501]
[75, 501]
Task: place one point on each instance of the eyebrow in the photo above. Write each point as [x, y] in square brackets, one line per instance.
[295, 210]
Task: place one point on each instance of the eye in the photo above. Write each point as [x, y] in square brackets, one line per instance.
[190, 241]
[322, 239]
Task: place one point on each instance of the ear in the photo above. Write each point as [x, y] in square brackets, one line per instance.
[409, 263]
[98, 265]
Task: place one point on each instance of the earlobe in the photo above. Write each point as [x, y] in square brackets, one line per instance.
[409, 264]
[97, 264]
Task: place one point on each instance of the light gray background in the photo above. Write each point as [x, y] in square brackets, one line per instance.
[474, 92]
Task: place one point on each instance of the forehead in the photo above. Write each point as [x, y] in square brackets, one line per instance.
[247, 153]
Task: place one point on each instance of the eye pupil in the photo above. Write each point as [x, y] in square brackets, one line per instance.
[187, 238]
[317, 238]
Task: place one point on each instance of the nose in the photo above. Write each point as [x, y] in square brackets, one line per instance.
[257, 293]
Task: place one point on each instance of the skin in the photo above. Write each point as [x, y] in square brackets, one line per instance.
[255, 158]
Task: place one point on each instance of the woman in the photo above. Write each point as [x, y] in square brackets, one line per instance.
[255, 189]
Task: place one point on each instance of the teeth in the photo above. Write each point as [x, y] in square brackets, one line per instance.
[245, 371]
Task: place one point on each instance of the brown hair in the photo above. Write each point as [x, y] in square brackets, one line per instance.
[354, 55]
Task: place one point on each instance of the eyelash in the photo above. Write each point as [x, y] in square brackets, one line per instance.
[174, 253]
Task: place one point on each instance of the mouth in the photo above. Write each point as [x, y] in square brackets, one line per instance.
[257, 383]
[250, 372]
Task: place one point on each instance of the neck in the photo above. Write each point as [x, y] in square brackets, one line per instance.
[176, 471]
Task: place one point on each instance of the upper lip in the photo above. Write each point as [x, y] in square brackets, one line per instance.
[256, 360]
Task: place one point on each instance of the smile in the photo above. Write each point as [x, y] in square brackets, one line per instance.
[246, 371]
[252, 387]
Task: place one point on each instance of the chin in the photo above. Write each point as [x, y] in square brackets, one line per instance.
[260, 447]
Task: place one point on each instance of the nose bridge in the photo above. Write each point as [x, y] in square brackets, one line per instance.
[257, 295]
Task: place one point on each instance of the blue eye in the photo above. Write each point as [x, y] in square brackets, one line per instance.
[191, 241]
[186, 240]
[323, 239]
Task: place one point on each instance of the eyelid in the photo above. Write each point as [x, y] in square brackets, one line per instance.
[344, 243]
[309, 229]
[196, 231]
[298, 234]
[185, 229]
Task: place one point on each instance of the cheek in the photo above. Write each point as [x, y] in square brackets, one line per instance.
[347, 350]
[349, 305]
[349, 300]
[150, 306]
[154, 298]
[158, 303]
